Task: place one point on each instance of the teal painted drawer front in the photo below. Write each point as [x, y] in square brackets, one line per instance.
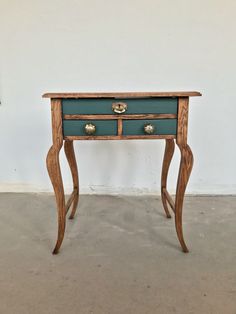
[162, 127]
[104, 106]
[76, 127]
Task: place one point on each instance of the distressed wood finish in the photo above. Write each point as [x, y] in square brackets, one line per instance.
[120, 127]
[119, 137]
[186, 160]
[54, 171]
[70, 155]
[186, 164]
[168, 154]
[122, 95]
[169, 200]
[182, 130]
[70, 201]
[185, 168]
[124, 117]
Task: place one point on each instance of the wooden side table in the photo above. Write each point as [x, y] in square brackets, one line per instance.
[119, 116]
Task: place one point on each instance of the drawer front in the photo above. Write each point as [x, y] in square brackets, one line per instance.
[134, 106]
[77, 127]
[161, 127]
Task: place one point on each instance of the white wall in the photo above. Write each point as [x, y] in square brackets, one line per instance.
[125, 45]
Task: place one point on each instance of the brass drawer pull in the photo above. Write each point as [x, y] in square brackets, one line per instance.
[89, 128]
[119, 107]
[149, 128]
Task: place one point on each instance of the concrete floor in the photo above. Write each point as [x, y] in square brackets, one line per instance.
[120, 255]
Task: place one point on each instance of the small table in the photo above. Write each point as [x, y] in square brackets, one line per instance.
[119, 116]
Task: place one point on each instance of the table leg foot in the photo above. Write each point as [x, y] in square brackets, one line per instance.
[70, 155]
[54, 172]
[168, 154]
[185, 168]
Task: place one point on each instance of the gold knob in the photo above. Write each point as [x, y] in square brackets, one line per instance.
[149, 128]
[119, 107]
[89, 128]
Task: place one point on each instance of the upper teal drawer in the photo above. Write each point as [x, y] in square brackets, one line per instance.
[134, 106]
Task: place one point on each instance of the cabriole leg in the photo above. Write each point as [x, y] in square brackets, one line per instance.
[54, 172]
[70, 155]
[169, 151]
[185, 168]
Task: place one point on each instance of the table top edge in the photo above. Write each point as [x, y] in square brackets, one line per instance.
[120, 94]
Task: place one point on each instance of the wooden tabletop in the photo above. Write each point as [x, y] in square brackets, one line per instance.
[121, 94]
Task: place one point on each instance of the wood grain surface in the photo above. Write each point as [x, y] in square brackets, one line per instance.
[70, 155]
[54, 171]
[119, 137]
[120, 127]
[121, 116]
[120, 94]
[168, 154]
[182, 129]
[185, 168]
[186, 160]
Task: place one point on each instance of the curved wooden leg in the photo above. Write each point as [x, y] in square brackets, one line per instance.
[54, 172]
[70, 155]
[186, 164]
[169, 151]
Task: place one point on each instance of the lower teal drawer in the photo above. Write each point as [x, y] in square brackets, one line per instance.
[77, 127]
[161, 127]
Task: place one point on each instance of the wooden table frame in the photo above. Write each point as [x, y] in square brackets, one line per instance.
[54, 170]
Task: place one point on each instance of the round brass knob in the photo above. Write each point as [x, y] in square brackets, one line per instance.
[149, 128]
[119, 107]
[89, 128]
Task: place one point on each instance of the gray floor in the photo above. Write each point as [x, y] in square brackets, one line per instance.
[120, 255]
